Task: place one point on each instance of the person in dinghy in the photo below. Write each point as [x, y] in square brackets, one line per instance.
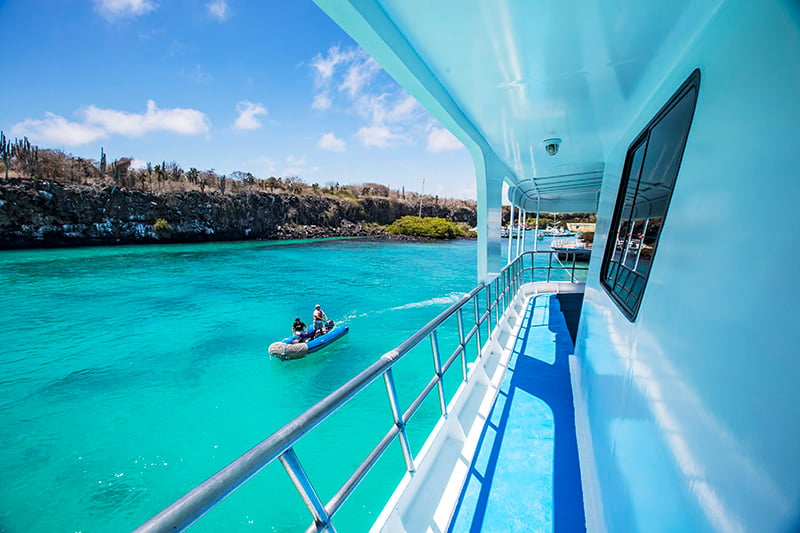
[320, 321]
[300, 330]
[303, 341]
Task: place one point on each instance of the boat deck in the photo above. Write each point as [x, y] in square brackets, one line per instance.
[525, 474]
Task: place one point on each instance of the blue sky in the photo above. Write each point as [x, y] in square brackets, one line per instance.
[272, 87]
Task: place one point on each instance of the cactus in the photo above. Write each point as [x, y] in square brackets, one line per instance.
[27, 155]
[102, 163]
[5, 151]
[115, 171]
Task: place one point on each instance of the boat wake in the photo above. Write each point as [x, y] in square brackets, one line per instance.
[439, 300]
[451, 298]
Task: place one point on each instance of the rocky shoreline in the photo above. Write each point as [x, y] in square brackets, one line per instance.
[41, 213]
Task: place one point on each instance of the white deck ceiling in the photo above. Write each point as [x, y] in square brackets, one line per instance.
[519, 72]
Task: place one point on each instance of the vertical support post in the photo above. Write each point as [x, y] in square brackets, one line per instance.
[549, 265]
[536, 233]
[398, 420]
[574, 260]
[437, 366]
[460, 318]
[303, 485]
[510, 233]
[493, 305]
[489, 310]
[509, 288]
[504, 290]
[489, 174]
[478, 322]
[498, 287]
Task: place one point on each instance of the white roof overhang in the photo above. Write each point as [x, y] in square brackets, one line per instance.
[503, 76]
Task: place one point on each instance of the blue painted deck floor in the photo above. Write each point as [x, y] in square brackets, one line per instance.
[525, 475]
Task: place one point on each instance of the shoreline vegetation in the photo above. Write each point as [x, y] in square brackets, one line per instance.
[51, 199]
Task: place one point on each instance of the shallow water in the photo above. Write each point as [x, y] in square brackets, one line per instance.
[130, 374]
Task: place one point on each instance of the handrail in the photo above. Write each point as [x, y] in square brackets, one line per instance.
[499, 293]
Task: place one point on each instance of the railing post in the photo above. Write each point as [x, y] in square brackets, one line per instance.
[505, 286]
[502, 301]
[303, 485]
[398, 420]
[489, 310]
[549, 265]
[437, 365]
[495, 300]
[460, 318]
[478, 324]
[574, 259]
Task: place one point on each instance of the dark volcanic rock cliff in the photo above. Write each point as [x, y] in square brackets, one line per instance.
[46, 213]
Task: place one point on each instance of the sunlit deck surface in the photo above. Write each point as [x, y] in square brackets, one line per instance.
[525, 475]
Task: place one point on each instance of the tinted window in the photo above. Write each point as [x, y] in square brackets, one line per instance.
[648, 178]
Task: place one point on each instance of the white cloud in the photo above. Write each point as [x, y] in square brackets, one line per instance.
[332, 143]
[116, 9]
[391, 109]
[176, 120]
[248, 115]
[97, 123]
[138, 164]
[380, 136]
[325, 66]
[441, 140]
[218, 9]
[57, 130]
[351, 81]
[322, 101]
[361, 71]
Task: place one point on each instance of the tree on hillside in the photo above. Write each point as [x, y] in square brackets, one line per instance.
[294, 184]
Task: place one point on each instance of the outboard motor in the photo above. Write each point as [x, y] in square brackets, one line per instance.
[329, 325]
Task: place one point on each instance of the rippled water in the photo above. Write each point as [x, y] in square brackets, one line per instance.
[130, 374]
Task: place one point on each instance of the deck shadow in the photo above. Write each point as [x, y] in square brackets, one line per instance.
[525, 475]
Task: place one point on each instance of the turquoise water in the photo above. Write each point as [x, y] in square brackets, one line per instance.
[130, 374]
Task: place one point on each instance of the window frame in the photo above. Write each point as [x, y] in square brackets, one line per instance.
[631, 311]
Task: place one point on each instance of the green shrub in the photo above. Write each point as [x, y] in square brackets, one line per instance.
[468, 231]
[162, 228]
[428, 227]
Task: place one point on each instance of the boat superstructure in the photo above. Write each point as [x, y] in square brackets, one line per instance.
[662, 118]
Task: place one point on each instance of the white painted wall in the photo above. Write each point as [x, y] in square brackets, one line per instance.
[692, 410]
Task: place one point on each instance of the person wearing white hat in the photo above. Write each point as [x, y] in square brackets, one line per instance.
[319, 319]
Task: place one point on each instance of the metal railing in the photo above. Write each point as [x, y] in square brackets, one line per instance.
[489, 301]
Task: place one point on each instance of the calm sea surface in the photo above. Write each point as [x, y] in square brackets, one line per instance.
[128, 375]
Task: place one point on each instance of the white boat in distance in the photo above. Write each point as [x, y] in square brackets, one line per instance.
[557, 231]
[674, 407]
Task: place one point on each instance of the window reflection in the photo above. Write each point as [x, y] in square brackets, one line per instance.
[647, 183]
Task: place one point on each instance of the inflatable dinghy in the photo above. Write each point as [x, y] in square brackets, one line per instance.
[289, 348]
